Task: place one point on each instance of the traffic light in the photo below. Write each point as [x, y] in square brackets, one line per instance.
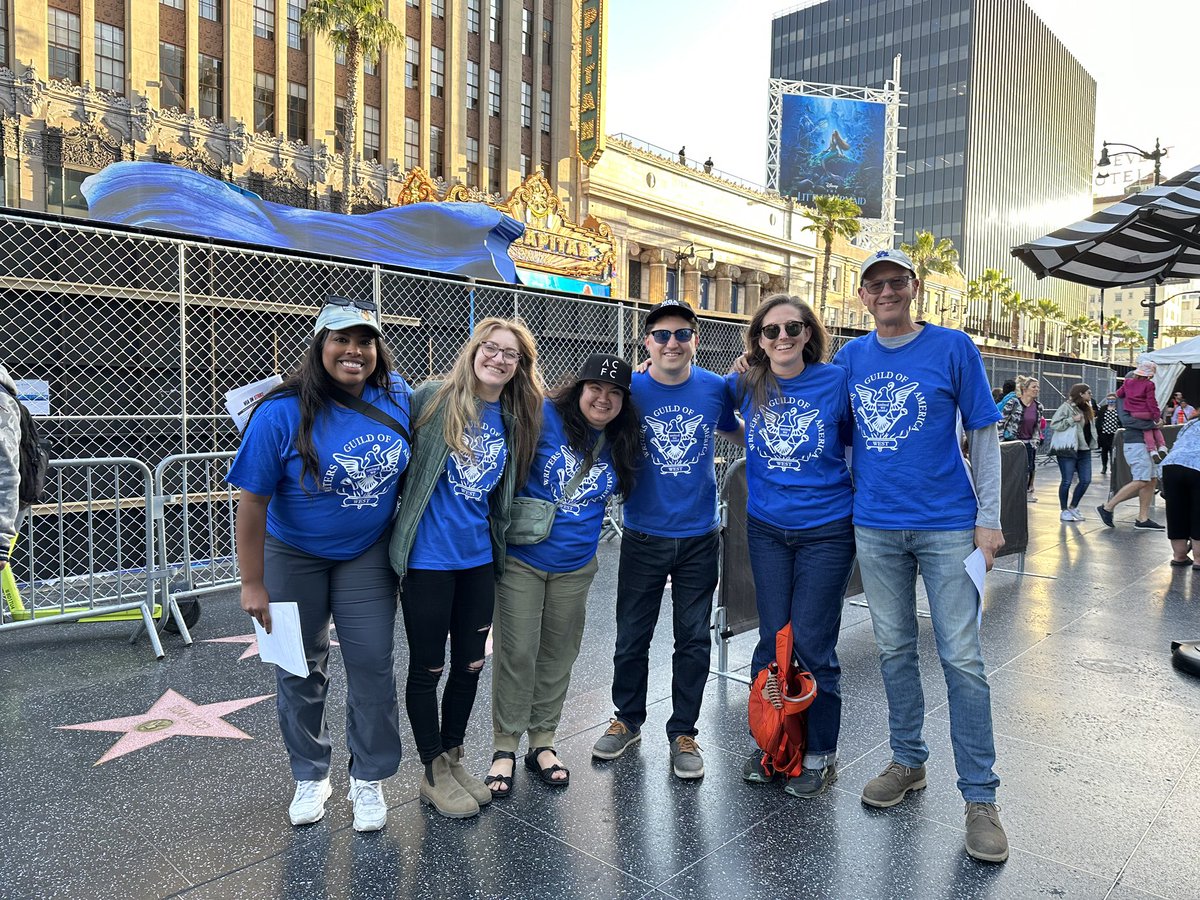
[1154, 329]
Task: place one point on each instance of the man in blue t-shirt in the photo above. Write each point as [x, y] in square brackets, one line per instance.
[671, 530]
[916, 504]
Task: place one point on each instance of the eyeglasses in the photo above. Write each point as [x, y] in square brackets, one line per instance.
[662, 335]
[899, 283]
[793, 329]
[490, 348]
[347, 302]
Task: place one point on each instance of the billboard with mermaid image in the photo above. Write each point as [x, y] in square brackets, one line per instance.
[832, 146]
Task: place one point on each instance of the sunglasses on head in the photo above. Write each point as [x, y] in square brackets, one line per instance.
[662, 335]
[348, 303]
[793, 329]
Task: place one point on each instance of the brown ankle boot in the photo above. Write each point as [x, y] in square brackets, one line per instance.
[479, 791]
[443, 793]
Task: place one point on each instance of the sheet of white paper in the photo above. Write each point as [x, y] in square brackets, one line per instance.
[240, 400]
[976, 567]
[284, 645]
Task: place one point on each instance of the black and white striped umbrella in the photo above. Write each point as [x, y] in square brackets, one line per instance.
[1153, 235]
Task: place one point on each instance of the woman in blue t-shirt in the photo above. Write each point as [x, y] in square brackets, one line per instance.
[541, 599]
[320, 479]
[801, 539]
[476, 433]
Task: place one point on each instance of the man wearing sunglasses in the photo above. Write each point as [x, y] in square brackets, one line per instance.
[671, 529]
[916, 505]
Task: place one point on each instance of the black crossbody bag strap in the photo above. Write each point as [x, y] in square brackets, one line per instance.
[360, 405]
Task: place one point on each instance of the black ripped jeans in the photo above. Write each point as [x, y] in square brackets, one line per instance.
[456, 604]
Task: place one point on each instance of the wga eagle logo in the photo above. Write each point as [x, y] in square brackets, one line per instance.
[367, 473]
[469, 473]
[779, 436]
[888, 411]
[673, 439]
[589, 484]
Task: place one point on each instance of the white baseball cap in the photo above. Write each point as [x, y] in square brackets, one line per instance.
[342, 313]
[898, 257]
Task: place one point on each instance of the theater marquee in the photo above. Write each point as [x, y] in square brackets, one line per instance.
[592, 38]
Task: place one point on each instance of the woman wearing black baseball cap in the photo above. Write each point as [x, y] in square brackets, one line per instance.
[588, 423]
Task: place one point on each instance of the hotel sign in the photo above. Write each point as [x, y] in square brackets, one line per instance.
[593, 27]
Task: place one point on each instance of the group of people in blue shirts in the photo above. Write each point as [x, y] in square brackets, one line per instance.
[857, 457]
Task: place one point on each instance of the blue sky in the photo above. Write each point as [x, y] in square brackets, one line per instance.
[694, 72]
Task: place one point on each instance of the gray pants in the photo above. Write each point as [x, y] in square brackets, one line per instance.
[359, 595]
[536, 633]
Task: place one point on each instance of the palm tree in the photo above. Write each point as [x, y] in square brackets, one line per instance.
[1116, 327]
[1131, 340]
[831, 217]
[1019, 306]
[930, 256]
[991, 285]
[1078, 328]
[1181, 331]
[359, 29]
[1046, 310]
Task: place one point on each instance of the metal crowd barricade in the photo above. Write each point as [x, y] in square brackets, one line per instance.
[194, 513]
[87, 554]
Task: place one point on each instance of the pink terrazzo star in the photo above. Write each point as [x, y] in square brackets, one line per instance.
[251, 641]
[172, 714]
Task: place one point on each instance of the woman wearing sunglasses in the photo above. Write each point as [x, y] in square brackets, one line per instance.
[588, 450]
[801, 539]
[475, 437]
[319, 467]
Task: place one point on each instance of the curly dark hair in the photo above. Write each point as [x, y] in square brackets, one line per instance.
[623, 432]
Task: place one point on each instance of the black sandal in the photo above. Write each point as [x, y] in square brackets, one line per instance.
[505, 781]
[547, 774]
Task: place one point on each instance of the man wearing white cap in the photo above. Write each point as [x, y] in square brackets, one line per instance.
[916, 505]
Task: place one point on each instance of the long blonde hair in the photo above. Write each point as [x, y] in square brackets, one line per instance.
[522, 395]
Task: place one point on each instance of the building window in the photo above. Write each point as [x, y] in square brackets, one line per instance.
[835, 278]
[339, 124]
[3, 32]
[494, 21]
[264, 19]
[545, 112]
[211, 10]
[64, 190]
[412, 61]
[415, 4]
[435, 152]
[524, 165]
[174, 4]
[472, 84]
[264, 103]
[473, 16]
[526, 104]
[493, 92]
[297, 112]
[438, 9]
[170, 71]
[212, 88]
[370, 64]
[547, 35]
[296, 39]
[62, 40]
[735, 298]
[110, 58]
[371, 141]
[472, 162]
[437, 71]
[526, 31]
[412, 142]
[493, 168]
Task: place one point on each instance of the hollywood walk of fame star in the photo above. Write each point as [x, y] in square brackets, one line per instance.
[172, 714]
[251, 642]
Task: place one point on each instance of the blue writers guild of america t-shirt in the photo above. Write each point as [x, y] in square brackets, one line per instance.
[453, 532]
[576, 531]
[359, 466]
[909, 472]
[796, 474]
[676, 491]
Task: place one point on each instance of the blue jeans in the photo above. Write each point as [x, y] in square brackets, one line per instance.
[888, 561]
[1068, 467]
[800, 576]
[646, 561]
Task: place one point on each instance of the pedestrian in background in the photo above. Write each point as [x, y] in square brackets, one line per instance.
[10, 465]
[1108, 422]
[1075, 415]
[1023, 416]
[1181, 491]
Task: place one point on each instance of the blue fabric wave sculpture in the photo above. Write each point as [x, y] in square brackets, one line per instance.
[468, 239]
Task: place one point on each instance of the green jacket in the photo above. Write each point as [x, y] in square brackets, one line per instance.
[428, 464]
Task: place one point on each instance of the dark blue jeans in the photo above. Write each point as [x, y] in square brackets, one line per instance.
[1069, 467]
[646, 561]
[800, 576]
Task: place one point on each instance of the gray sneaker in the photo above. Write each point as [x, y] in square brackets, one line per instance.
[615, 741]
[686, 761]
[889, 786]
[811, 782]
[753, 770]
[986, 839]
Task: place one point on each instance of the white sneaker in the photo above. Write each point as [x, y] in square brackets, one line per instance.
[1077, 514]
[1030, 497]
[308, 803]
[1065, 516]
[370, 809]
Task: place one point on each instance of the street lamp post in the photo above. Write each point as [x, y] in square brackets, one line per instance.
[1156, 155]
[687, 254]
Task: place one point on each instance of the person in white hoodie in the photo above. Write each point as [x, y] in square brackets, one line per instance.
[10, 465]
